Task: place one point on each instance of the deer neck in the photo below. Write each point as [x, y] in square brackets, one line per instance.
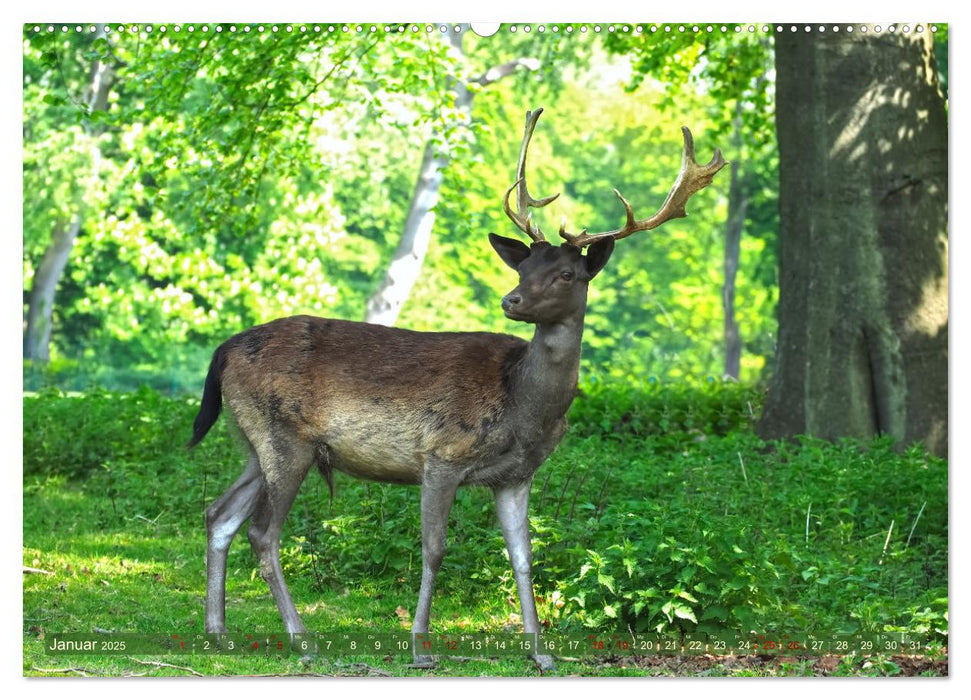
[547, 378]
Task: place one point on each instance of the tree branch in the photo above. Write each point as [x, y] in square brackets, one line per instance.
[506, 69]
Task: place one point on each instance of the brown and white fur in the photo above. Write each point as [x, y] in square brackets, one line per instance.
[437, 410]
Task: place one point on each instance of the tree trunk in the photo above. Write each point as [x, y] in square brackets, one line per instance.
[863, 316]
[734, 226]
[40, 306]
[386, 303]
[40, 303]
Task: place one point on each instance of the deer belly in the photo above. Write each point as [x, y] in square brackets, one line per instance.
[373, 449]
[375, 461]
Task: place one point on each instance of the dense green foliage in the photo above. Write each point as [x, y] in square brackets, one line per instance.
[237, 177]
[660, 511]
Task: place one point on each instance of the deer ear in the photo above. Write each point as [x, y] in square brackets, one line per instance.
[511, 251]
[597, 256]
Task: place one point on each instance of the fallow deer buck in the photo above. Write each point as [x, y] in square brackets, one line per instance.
[438, 410]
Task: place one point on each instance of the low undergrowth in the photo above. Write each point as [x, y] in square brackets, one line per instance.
[660, 512]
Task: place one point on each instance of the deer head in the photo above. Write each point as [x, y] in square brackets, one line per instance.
[553, 280]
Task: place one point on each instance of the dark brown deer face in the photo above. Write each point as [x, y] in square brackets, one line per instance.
[552, 280]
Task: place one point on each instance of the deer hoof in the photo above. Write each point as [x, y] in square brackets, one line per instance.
[544, 662]
[424, 662]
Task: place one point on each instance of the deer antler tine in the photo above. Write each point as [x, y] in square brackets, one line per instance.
[715, 164]
[524, 200]
[531, 118]
[505, 201]
[540, 202]
[630, 212]
[689, 145]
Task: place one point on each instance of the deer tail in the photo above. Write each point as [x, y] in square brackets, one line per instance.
[212, 398]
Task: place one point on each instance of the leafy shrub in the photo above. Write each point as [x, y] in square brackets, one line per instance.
[662, 577]
[78, 434]
[683, 530]
[733, 533]
[650, 407]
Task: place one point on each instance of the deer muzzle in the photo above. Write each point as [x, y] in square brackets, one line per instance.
[511, 303]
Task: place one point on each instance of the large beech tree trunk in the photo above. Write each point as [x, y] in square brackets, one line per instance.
[863, 312]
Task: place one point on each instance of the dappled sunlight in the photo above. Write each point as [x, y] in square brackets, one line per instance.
[852, 145]
[118, 554]
[848, 144]
[929, 314]
[89, 560]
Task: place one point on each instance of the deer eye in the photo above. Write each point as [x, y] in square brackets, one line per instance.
[566, 275]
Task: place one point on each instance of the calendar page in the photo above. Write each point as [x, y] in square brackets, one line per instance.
[511, 349]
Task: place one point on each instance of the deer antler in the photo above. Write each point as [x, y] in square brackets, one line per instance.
[692, 178]
[523, 199]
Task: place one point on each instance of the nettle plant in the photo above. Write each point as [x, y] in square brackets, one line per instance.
[666, 574]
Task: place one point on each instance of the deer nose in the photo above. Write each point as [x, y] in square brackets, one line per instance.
[511, 300]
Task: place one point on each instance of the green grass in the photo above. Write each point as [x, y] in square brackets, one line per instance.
[660, 512]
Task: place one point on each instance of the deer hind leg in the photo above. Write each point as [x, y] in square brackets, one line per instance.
[283, 471]
[512, 508]
[436, 504]
[223, 519]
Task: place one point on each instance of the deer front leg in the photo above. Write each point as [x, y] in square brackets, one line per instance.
[512, 507]
[436, 503]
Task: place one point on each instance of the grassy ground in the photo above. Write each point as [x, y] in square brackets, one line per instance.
[660, 512]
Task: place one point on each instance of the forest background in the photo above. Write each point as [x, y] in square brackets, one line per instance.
[235, 179]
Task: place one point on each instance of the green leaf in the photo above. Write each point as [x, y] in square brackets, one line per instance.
[607, 581]
[687, 596]
[684, 612]
[716, 612]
